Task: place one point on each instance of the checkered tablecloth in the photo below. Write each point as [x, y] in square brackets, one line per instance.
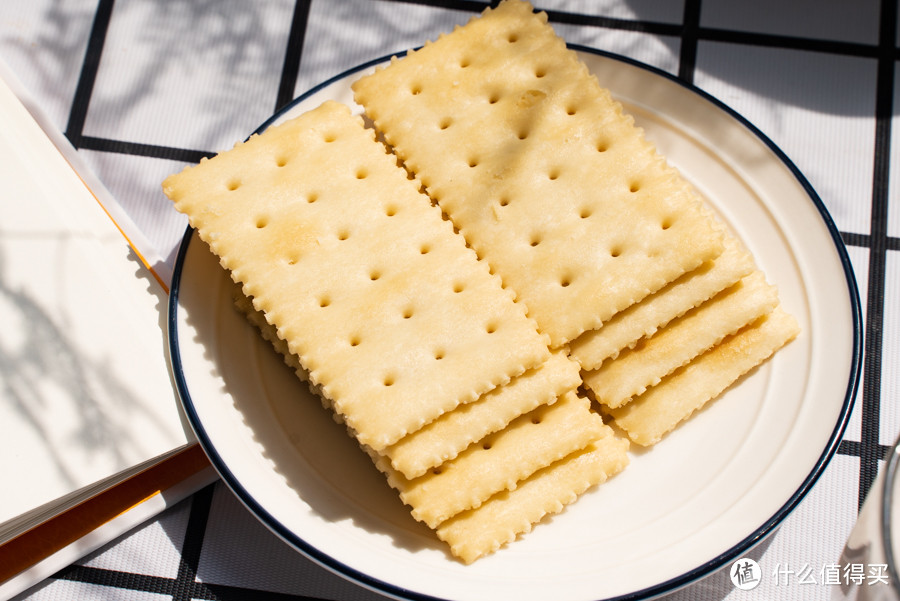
[143, 87]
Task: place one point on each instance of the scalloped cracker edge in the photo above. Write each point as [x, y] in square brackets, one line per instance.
[499, 461]
[651, 416]
[504, 517]
[698, 330]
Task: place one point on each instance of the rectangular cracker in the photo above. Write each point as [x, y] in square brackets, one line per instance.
[382, 303]
[648, 418]
[499, 461]
[643, 319]
[478, 532]
[444, 438]
[539, 169]
[639, 368]
[452, 432]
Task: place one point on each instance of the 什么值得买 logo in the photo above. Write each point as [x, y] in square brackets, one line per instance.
[745, 574]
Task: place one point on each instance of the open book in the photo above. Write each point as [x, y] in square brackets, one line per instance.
[90, 424]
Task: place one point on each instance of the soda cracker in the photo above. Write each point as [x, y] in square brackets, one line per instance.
[373, 291]
[539, 168]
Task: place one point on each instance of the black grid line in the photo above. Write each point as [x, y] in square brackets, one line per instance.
[851, 448]
[744, 38]
[461, 5]
[869, 450]
[687, 59]
[871, 392]
[169, 587]
[159, 585]
[292, 54]
[117, 579]
[864, 240]
[142, 150]
[186, 580]
[88, 75]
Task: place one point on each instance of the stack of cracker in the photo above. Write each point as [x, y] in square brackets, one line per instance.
[410, 339]
[615, 256]
[455, 308]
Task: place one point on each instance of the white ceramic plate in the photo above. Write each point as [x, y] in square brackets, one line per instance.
[715, 487]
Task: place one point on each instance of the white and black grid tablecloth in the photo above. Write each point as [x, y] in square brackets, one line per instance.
[143, 87]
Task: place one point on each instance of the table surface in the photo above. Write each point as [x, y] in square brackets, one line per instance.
[143, 87]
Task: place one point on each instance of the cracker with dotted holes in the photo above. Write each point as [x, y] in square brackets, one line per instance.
[539, 168]
[643, 319]
[389, 312]
[637, 369]
[499, 461]
[478, 532]
[452, 432]
[649, 417]
[444, 438]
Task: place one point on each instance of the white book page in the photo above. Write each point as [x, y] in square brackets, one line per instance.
[85, 389]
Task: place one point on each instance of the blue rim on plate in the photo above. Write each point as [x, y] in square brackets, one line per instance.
[670, 585]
